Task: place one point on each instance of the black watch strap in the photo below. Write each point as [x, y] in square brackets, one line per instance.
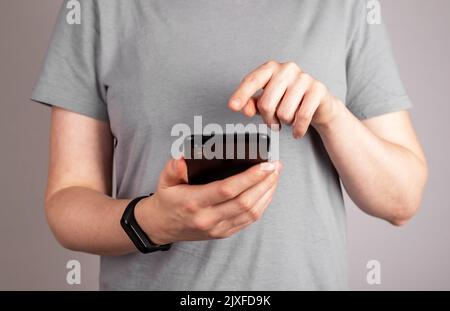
[139, 238]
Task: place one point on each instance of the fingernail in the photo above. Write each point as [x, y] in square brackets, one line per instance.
[267, 166]
[279, 166]
[235, 104]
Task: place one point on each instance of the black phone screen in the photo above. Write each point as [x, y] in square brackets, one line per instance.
[218, 156]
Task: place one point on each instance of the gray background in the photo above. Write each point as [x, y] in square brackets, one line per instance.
[415, 257]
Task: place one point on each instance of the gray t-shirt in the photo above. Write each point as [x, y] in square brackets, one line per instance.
[144, 66]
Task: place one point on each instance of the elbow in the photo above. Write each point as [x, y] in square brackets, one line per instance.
[57, 232]
[401, 217]
[65, 243]
[402, 211]
[63, 239]
[56, 224]
[405, 209]
[408, 206]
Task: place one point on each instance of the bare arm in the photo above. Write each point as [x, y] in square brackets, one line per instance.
[380, 162]
[79, 185]
[84, 217]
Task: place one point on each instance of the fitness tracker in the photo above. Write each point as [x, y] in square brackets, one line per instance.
[135, 232]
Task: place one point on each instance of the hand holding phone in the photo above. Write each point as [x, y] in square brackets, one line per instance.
[181, 212]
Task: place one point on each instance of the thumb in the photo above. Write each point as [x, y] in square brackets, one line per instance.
[174, 173]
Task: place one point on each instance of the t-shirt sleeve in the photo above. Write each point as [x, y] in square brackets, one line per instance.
[69, 77]
[374, 86]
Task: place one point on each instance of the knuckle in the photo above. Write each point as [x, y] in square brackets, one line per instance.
[284, 116]
[251, 79]
[303, 118]
[319, 86]
[244, 204]
[264, 106]
[254, 215]
[305, 76]
[226, 191]
[190, 206]
[213, 234]
[201, 223]
[292, 66]
[271, 64]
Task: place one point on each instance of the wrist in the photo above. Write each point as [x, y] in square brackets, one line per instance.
[336, 109]
[146, 215]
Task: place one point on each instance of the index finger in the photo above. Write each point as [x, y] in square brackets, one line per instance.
[253, 82]
[229, 188]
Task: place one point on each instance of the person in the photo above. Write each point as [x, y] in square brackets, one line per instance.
[122, 78]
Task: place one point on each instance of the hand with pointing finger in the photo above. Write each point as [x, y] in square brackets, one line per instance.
[289, 96]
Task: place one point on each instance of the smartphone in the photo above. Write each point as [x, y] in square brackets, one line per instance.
[218, 156]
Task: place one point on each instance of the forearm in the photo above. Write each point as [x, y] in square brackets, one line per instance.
[384, 179]
[89, 221]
